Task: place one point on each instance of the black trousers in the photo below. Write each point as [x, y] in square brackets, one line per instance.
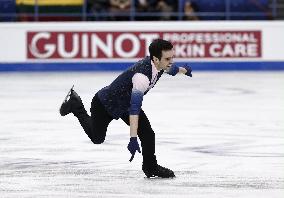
[95, 126]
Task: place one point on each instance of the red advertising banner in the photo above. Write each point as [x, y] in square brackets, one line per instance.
[123, 45]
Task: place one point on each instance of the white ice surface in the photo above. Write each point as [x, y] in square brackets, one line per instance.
[221, 132]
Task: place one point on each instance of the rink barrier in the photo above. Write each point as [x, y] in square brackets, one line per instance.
[197, 66]
[104, 46]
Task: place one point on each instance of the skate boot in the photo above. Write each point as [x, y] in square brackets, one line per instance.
[70, 100]
[158, 171]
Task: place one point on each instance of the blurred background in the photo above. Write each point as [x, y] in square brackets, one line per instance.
[113, 34]
[141, 10]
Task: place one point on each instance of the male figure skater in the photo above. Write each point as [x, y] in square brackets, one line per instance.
[123, 99]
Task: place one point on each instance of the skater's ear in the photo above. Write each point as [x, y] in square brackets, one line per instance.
[155, 59]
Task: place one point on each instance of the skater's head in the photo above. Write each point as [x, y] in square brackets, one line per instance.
[161, 53]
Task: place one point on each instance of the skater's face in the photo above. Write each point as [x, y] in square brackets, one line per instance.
[166, 60]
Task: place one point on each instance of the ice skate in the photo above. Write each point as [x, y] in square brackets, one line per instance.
[158, 171]
[66, 106]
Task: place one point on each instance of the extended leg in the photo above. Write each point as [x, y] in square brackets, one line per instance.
[95, 126]
[99, 121]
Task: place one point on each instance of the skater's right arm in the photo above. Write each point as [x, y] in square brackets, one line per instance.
[133, 122]
[133, 144]
[140, 84]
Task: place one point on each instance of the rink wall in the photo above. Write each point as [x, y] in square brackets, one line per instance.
[232, 45]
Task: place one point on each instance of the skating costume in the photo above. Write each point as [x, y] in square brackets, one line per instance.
[122, 98]
[125, 93]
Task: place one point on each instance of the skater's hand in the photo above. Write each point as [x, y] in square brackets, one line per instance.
[173, 70]
[133, 146]
[188, 70]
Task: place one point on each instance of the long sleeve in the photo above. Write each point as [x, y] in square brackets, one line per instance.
[140, 85]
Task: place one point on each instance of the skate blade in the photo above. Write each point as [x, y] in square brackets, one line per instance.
[158, 178]
[68, 94]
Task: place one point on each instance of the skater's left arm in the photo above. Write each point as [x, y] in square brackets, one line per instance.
[174, 70]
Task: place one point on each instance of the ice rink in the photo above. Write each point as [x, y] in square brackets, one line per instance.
[221, 132]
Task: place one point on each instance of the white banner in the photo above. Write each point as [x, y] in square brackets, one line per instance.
[124, 41]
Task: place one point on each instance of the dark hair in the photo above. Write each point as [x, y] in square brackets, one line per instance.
[157, 46]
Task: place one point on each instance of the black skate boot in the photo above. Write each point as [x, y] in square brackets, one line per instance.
[71, 98]
[158, 171]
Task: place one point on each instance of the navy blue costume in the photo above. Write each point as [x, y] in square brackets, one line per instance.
[117, 96]
[122, 98]
[118, 100]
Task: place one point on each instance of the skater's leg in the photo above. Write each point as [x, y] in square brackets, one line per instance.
[75, 105]
[95, 126]
[147, 138]
[79, 111]
[99, 121]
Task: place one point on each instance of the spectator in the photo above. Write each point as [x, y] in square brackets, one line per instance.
[8, 7]
[166, 7]
[189, 11]
[143, 7]
[120, 9]
[96, 8]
